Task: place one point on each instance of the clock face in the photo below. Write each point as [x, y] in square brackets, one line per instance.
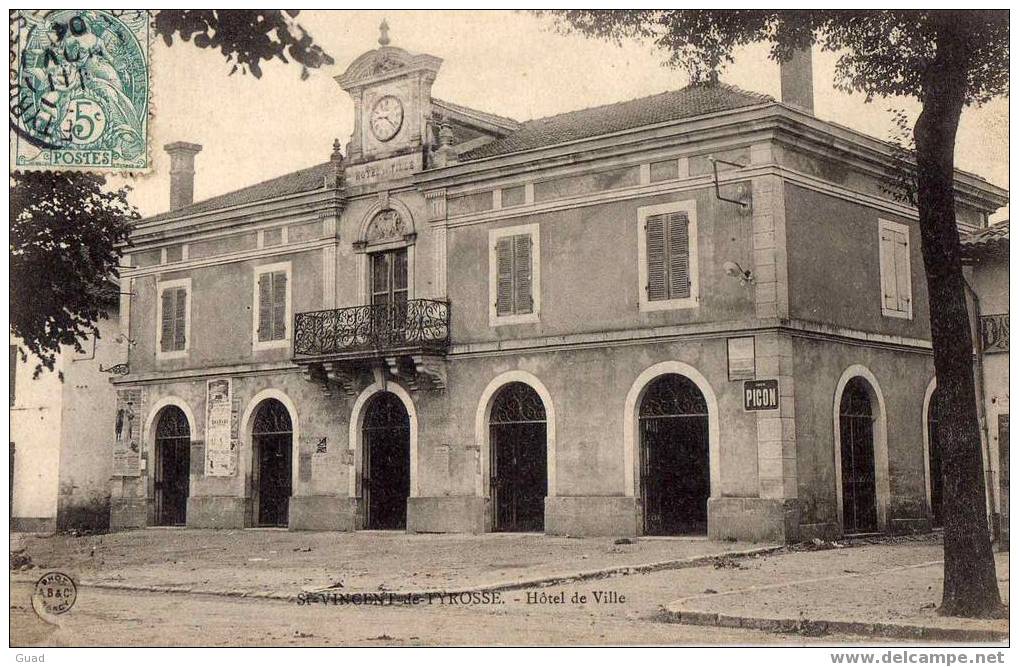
[386, 118]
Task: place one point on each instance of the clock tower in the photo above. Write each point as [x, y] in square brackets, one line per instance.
[392, 93]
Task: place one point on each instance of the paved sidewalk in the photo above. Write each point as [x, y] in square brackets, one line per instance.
[281, 563]
[879, 590]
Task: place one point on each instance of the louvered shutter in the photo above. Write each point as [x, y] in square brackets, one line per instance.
[166, 326]
[264, 306]
[279, 305]
[902, 278]
[889, 284]
[522, 299]
[657, 278]
[504, 276]
[180, 318]
[679, 255]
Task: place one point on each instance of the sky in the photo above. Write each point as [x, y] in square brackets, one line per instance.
[508, 63]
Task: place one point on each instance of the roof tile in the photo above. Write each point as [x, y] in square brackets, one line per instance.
[694, 100]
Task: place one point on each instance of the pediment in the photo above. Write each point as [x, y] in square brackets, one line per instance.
[385, 62]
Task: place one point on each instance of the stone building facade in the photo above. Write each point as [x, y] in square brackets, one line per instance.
[696, 312]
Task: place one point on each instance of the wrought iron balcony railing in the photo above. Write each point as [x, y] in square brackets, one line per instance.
[415, 325]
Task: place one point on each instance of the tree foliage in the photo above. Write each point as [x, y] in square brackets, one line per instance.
[65, 232]
[246, 37]
[881, 53]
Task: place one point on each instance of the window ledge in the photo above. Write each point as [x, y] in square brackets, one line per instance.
[668, 304]
[500, 320]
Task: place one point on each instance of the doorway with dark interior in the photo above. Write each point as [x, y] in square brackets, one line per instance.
[386, 464]
[675, 475]
[519, 466]
[173, 467]
[859, 481]
[272, 441]
[935, 439]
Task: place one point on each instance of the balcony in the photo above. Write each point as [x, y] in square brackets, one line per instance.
[408, 340]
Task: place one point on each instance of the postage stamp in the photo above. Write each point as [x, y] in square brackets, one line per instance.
[79, 90]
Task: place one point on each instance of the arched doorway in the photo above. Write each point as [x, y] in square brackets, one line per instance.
[386, 464]
[173, 466]
[519, 463]
[935, 442]
[675, 474]
[272, 440]
[859, 480]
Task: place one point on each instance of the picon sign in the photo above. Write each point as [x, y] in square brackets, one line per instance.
[760, 395]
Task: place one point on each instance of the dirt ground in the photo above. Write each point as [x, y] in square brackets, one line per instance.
[121, 618]
[893, 580]
[288, 562]
[880, 584]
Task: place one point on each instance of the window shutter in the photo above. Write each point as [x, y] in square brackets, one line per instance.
[504, 276]
[679, 255]
[522, 298]
[654, 228]
[264, 306]
[902, 277]
[279, 305]
[180, 319]
[889, 284]
[166, 326]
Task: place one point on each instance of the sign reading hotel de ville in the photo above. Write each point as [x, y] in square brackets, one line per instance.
[760, 395]
[220, 448]
[387, 169]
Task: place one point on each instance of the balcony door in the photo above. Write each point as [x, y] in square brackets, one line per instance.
[389, 294]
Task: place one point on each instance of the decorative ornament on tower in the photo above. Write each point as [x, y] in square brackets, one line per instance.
[445, 154]
[335, 179]
[383, 33]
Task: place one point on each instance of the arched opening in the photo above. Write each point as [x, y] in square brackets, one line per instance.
[272, 476]
[519, 465]
[859, 478]
[385, 468]
[675, 473]
[173, 466]
[935, 442]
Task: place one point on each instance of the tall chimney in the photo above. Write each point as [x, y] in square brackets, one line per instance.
[797, 74]
[182, 173]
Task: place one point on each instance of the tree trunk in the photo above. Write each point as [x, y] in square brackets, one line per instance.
[971, 587]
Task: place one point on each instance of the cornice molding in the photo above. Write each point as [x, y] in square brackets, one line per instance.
[241, 256]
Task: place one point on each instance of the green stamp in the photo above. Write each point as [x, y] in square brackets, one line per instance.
[79, 90]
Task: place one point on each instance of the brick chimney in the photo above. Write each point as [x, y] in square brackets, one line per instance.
[797, 74]
[182, 173]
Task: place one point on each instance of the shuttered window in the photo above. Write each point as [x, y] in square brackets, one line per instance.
[173, 325]
[896, 281]
[272, 308]
[513, 275]
[668, 256]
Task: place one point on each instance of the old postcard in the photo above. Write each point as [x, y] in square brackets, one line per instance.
[510, 328]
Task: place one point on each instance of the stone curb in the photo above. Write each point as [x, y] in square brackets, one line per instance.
[818, 627]
[406, 597]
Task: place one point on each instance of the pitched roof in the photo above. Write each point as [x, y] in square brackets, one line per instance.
[492, 118]
[989, 240]
[694, 100]
[303, 180]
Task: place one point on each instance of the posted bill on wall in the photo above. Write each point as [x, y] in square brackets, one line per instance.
[220, 447]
